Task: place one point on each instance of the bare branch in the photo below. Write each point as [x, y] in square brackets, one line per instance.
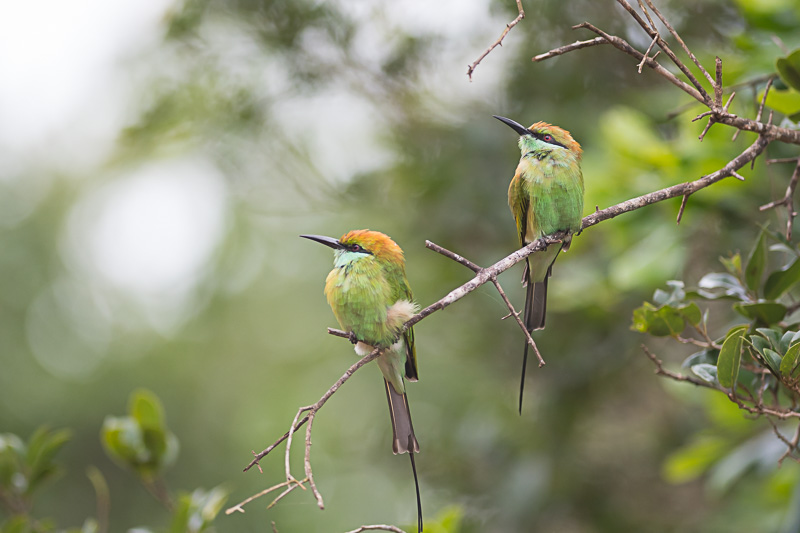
[647, 53]
[291, 482]
[791, 445]
[759, 409]
[577, 45]
[452, 255]
[513, 312]
[261, 455]
[499, 42]
[787, 200]
[783, 160]
[689, 53]
[623, 45]
[378, 527]
[653, 33]
[718, 82]
[763, 100]
[720, 115]
[238, 508]
[683, 206]
[681, 189]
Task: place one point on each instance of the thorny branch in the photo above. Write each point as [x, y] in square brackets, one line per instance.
[787, 201]
[499, 41]
[757, 408]
[717, 114]
[694, 89]
[377, 527]
[482, 276]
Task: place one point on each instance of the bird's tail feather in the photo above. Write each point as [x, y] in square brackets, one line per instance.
[535, 311]
[403, 438]
[416, 486]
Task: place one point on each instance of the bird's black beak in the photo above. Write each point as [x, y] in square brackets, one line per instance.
[516, 126]
[327, 241]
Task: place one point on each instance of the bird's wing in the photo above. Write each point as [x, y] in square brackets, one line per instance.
[519, 202]
[411, 350]
[412, 373]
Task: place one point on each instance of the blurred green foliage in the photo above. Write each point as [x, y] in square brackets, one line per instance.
[326, 117]
[140, 442]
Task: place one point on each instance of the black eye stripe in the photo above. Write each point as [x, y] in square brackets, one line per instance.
[541, 137]
[357, 248]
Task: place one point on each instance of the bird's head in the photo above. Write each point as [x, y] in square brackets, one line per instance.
[362, 244]
[543, 139]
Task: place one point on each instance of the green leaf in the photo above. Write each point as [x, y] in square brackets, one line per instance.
[659, 322]
[692, 460]
[723, 285]
[789, 364]
[707, 356]
[123, 441]
[196, 511]
[781, 281]
[691, 313]
[756, 262]
[759, 343]
[773, 359]
[146, 408]
[749, 380]
[730, 357]
[732, 264]
[763, 312]
[789, 69]
[706, 372]
[772, 335]
[786, 341]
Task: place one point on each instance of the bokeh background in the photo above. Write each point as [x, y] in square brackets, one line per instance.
[159, 159]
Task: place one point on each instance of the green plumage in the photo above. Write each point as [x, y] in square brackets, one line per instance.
[370, 297]
[362, 292]
[545, 197]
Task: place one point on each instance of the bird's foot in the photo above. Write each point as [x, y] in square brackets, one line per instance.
[353, 338]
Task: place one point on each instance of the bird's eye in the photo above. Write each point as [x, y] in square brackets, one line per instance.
[357, 248]
[547, 138]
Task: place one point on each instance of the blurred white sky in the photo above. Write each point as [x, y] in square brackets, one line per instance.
[70, 79]
[59, 61]
[64, 95]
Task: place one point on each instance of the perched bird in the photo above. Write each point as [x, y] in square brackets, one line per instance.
[545, 197]
[369, 294]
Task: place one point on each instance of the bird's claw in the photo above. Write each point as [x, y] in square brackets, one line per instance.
[353, 338]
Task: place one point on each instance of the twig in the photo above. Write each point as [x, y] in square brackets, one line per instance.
[379, 527]
[577, 45]
[790, 445]
[764, 99]
[485, 275]
[647, 54]
[653, 33]
[499, 42]
[258, 456]
[681, 189]
[238, 508]
[291, 482]
[683, 206]
[787, 200]
[721, 115]
[475, 268]
[783, 160]
[677, 37]
[759, 409]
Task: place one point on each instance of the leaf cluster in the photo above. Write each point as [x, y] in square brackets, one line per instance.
[140, 442]
[749, 359]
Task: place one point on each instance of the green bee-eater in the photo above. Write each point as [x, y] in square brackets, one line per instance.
[370, 297]
[545, 197]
